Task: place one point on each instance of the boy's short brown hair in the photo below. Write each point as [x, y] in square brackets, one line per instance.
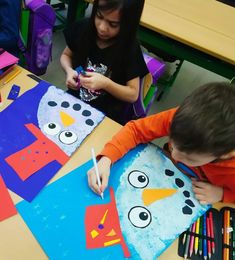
[205, 121]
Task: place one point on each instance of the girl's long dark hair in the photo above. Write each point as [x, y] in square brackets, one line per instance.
[130, 11]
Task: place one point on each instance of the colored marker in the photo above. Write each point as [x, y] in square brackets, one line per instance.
[197, 238]
[96, 171]
[204, 238]
[0, 99]
[192, 239]
[212, 232]
[209, 236]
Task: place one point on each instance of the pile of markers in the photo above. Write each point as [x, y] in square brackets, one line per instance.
[211, 237]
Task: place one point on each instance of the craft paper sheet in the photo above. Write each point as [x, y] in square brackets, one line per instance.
[38, 133]
[154, 204]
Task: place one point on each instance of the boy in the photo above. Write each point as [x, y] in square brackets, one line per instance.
[201, 135]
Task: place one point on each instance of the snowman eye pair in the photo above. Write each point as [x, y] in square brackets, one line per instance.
[66, 137]
[139, 216]
[138, 179]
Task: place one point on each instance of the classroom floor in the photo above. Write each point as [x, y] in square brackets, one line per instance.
[189, 78]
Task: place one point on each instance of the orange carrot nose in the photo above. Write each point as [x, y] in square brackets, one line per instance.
[66, 119]
[151, 195]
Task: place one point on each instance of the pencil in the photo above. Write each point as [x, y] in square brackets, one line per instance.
[205, 252]
[12, 76]
[212, 232]
[197, 238]
[187, 245]
[184, 238]
[226, 235]
[0, 98]
[192, 239]
[233, 240]
[200, 237]
[209, 236]
[96, 171]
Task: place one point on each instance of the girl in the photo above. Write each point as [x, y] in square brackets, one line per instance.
[106, 46]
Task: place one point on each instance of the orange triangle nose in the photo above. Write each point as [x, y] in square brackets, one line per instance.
[151, 195]
[66, 119]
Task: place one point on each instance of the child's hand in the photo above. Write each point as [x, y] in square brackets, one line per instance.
[207, 193]
[94, 81]
[71, 79]
[104, 170]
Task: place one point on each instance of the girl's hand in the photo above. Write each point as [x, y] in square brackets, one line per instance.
[207, 193]
[104, 170]
[71, 79]
[94, 81]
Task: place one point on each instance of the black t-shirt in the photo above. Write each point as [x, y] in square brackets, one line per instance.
[100, 60]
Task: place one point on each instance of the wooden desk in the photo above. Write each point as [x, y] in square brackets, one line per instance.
[16, 240]
[199, 31]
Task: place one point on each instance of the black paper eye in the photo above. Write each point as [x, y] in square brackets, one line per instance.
[139, 217]
[52, 128]
[138, 179]
[68, 137]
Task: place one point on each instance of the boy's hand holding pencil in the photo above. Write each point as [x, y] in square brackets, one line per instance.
[103, 166]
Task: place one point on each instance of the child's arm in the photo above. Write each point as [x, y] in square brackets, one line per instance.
[138, 131]
[66, 63]
[97, 81]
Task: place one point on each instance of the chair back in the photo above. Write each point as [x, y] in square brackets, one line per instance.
[148, 86]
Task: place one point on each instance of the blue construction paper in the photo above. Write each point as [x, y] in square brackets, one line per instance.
[56, 216]
[32, 108]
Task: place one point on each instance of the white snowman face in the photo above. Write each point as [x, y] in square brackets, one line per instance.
[65, 119]
[155, 203]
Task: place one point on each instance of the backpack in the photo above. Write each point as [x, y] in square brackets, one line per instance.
[37, 49]
[9, 25]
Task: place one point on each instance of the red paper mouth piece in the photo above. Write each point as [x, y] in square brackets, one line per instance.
[103, 226]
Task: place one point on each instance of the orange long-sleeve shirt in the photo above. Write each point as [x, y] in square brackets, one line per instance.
[147, 129]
